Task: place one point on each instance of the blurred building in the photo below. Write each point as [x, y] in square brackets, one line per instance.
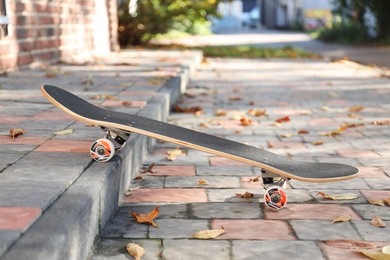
[50, 31]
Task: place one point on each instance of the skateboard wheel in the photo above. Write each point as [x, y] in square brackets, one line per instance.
[275, 197]
[102, 150]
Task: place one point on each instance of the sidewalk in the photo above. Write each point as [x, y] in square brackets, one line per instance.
[379, 56]
[53, 199]
[318, 97]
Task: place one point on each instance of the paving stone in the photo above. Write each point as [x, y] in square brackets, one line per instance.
[60, 159]
[371, 233]
[311, 212]
[68, 146]
[115, 249]
[378, 184]
[195, 249]
[193, 182]
[369, 211]
[375, 194]
[150, 181]
[341, 253]
[10, 158]
[249, 250]
[174, 170]
[167, 195]
[7, 237]
[15, 218]
[352, 184]
[224, 170]
[254, 229]
[323, 230]
[165, 210]
[122, 226]
[226, 210]
[229, 195]
[360, 198]
[177, 228]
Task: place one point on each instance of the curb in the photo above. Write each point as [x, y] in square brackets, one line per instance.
[69, 227]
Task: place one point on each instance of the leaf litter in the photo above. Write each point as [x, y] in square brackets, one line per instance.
[209, 234]
[147, 218]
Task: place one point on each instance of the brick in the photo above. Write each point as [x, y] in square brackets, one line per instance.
[177, 228]
[254, 229]
[371, 172]
[323, 230]
[293, 250]
[311, 211]
[224, 161]
[67, 146]
[193, 182]
[185, 249]
[367, 212]
[226, 210]
[174, 170]
[223, 170]
[371, 233]
[18, 218]
[7, 237]
[167, 195]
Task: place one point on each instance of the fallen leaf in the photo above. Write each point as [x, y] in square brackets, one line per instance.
[342, 196]
[376, 221]
[386, 250]
[375, 255]
[387, 201]
[270, 145]
[246, 195]
[336, 132]
[276, 124]
[87, 82]
[175, 152]
[235, 98]
[350, 244]
[318, 142]
[303, 132]
[283, 119]
[288, 135]
[193, 110]
[325, 108]
[246, 121]
[103, 97]
[378, 202]
[384, 122]
[146, 218]
[255, 179]
[135, 250]
[220, 112]
[15, 132]
[209, 234]
[203, 182]
[149, 168]
[65, 132]
[138, 178]
[341, 219]
[126, 103]
[130, 191]
[356, 109]
[257, 112]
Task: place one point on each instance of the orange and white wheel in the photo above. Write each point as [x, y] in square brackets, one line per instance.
[102, 150]
[275, 197]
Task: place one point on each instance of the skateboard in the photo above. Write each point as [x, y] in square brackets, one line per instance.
[276, 169]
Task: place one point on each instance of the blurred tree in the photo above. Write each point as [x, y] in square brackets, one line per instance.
[355, 10]
[148, 18]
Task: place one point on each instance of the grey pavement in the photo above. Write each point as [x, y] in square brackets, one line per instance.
[58, 204]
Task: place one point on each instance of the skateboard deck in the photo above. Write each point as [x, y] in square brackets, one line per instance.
[267, 161]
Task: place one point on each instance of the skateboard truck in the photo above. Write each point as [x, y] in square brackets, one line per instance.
[275, 196]
[103, 149]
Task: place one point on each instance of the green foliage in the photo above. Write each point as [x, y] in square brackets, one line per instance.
[348, 32]
[160, 16]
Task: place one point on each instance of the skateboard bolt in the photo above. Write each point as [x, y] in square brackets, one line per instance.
[100, 150]
[275, 198]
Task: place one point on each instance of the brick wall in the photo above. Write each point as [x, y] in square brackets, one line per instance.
[57, 30]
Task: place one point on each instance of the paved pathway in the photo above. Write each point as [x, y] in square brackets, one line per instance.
[379, 56]
[317, 97]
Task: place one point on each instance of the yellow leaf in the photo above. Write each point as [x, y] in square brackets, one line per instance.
[341, 219]
[175, 152]
[135, 250]
[15, 132]
[387, 201]
[246, 195]
[375, 255]
[379, 202]
[208, 234]
[220, 112]
[386, 250]
[64, 132]
[343, 196]
[318, 142]
[257, 112]
[146, 218]
[288, 135]
[203, 182]
[378, 222]
[356, 109]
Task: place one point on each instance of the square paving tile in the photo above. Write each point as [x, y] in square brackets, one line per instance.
[254, 229]
[323, 230]
[167, 195]
[226, 210]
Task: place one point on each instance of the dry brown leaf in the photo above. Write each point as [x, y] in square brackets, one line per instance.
[171, 158]
[103, 97]
[283, 119]
[336, 132]
[175, 152]
[135, 250]
[138, 178]
[149, 168]
[387, 201]
[257, 112]
[235, 98]
[246, 121]
[246, 195]
[209, 234]
[130, 191]
[220, 112]
[15, 132]
[127, 103]
[318, 142]
[378, 222]
[203, 182]
[270, 145]
[378, 202]
[65, 132]
[87, 82]
[288, 135]
[341, 219]
[350, 244]
[325, 108]
[343, 196]
[303, 132]
[356, 109]
[255, 179]
[194, 110]
[146, 218]
[383, 122]
[375, 255]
